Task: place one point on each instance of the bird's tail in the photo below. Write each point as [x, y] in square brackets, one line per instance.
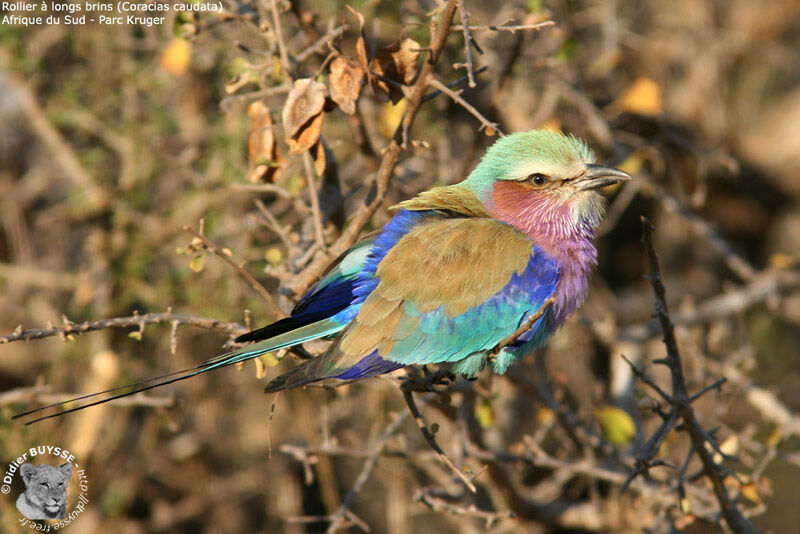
[329, 366]
[304, 374]
[297, 336]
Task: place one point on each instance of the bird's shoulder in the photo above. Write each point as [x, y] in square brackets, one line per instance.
[453, 200]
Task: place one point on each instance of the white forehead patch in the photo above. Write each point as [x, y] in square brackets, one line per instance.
[553, 170]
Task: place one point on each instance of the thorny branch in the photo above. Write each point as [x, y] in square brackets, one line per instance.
[681, 403]
[69, 328]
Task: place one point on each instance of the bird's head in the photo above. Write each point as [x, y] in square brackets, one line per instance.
[543, 181]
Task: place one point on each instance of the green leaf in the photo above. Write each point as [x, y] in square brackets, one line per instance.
[198, 263]
[568, 49]
[269, 359]
[484, 415]
[534, 6]
[616, 424]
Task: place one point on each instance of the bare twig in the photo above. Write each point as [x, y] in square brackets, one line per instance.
[763, 400]
[272, 223]
[276, 26]
[462, 9]
[228, 101]
[454, 83]
[508, 28]
[736, 263]
[757, 291]
[321, 44]
[29, 275]
[61, 151]
[71, 329]
[255, 284]
[349, 516]
[485, 123]
[429, 437]
[366, 471]
[314, 195]
[265, 188]
[438, 504]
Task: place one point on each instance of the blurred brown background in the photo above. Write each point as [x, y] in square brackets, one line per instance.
[112, 139]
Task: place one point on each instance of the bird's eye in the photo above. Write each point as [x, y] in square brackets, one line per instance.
[537, 179]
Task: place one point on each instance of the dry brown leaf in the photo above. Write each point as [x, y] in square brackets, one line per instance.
[361, 42]
[304, 102]
[390, 117]
[303, 115]
[263, 156]
[345, 83]
[398, 63]
[320, 161]
[307, 136]
[750, 492]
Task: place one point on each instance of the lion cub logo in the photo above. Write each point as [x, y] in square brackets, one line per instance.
[45, 494]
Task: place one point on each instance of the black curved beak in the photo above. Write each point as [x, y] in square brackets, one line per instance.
[598, 176]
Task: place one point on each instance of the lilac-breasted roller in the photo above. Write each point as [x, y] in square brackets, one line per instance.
[457, 270]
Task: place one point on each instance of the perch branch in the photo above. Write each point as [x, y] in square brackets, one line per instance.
[524, 327]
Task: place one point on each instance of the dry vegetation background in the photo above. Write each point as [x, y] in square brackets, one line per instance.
[113, 139]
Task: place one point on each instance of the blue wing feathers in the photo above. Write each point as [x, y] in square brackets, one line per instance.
[328, 301]
[372, 365]
[327, 298]
[432, 337]
[440, 338]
